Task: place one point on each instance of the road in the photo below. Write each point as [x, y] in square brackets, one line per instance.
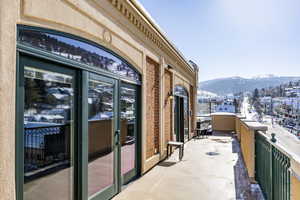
[289, 141]
[283, 136]
[245, 110]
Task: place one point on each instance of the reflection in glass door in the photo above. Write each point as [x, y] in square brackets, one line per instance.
[179, 119]
[101, 129]
[128, 127]
[48, 133]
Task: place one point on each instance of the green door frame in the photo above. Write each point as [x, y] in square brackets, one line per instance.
[81, 139]
[112, 190]
[81, 72]
[24, 60]
[134, 172]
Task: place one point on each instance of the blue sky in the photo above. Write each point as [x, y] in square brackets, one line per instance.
[233, 37]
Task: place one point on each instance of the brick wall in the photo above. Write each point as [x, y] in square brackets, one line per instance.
[168, 106]
[152, 106]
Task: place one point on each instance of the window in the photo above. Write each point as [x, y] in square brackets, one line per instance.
[78, 51]
[69, 115]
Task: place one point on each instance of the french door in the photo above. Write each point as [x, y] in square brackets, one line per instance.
[77, 132]
[179, 118]
[102, 137]
[129, 104]
[112, 135]
[47, 130]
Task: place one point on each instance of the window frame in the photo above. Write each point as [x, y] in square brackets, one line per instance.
[81, 140]
[60, 59]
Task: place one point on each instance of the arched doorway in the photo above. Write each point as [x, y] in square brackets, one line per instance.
[181, 114]
[78, 130]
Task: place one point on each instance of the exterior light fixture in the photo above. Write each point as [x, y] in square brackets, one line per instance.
[169, 67]
[170, 95]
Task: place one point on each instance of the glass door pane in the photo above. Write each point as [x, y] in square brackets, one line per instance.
[48, 134]
[101, 123]
[128, 127]
[179, 119]
[186, 118]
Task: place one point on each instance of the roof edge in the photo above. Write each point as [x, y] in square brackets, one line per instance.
[139, 7]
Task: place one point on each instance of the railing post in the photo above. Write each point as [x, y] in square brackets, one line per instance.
[273, 139]
[271, 172]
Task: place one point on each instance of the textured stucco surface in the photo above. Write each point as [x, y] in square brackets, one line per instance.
[295, 188]
[248, 149]
[99, 22]
[8, 18]
[223, 122]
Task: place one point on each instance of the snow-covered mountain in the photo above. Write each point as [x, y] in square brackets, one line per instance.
[223, 86]
[206, 94]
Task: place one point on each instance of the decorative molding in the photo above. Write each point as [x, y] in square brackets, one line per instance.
[142, 23]
[107, 36]
[90, 27]
[136, 21]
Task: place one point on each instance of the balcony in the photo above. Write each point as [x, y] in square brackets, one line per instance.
[240, 160]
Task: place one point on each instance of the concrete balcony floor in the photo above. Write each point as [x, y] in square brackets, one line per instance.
[211, 169]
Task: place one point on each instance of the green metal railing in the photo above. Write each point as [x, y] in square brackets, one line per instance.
[271, 169]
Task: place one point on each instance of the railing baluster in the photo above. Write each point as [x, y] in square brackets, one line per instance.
[272, 169]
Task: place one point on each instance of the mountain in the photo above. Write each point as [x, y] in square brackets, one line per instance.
[206, 94]
[223, 86]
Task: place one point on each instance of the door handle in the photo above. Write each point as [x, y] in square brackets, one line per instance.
[117, 136]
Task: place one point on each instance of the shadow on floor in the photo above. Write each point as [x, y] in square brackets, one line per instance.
[166, 164]
[211, 153]
[242, 183]
[243, 187]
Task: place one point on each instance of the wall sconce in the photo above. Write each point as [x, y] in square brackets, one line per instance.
[169, 67]
[170, 95]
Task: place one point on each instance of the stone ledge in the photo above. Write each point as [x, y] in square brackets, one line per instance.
[256, 126]
[295, 167]
[239, 116]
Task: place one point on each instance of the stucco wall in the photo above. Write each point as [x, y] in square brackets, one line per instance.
[295, 178]
[295, 188]
[168, 106]
[223, 122]
[9, 14]
[119, 28]
[248, 149]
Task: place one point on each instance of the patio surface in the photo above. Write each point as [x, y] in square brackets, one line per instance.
[211, 169]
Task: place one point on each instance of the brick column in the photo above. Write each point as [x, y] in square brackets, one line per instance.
[152, 107]
[168, 105]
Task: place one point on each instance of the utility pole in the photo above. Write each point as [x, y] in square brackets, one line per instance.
[272, 113]
[209, 106]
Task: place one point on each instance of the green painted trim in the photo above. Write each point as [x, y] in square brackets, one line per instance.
[39, 59]
[40, 64]
[83, 134]
[76, 129]
[71, 36]
[139, 130]
[272, 169]
[118, 137]
[112, 190]
[19, 158]
[132, 174]
[59, 59]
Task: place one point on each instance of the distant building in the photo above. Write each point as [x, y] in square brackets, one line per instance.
[90, 89]
[292, 91]
[226, 106]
